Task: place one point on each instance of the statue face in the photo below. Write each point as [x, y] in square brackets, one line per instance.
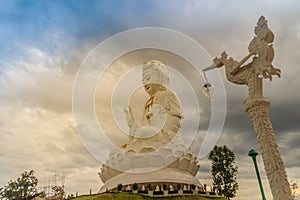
[148, 76]
[153, 75]
[150, 81]
[151, 88]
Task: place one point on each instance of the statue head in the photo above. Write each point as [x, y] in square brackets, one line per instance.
[155, 76]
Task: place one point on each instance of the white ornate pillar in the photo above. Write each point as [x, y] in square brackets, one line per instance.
[258, 110]
[252, 75]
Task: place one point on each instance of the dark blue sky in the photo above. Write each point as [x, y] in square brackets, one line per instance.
[42, 23]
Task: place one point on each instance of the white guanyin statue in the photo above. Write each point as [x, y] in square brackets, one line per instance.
[162, 115]
[154, 152]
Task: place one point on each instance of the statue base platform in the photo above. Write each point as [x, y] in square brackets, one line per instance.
[167, 175]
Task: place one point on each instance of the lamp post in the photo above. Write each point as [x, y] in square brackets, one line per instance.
[252, 153]
[256, 105]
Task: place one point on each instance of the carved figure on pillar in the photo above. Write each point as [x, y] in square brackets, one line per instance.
[252, 75]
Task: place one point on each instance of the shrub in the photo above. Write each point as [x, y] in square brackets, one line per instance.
[173, 192]
[158, 193]
[143, 192]
[149, 186]
[120, 186]
[135, 186]
[165, 187]
[193, 186]
[187, 192]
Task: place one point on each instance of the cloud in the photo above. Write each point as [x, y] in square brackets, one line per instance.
[38, 80]
[37, 125]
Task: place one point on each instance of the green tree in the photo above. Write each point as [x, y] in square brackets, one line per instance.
[120, 186]
[149, 186]
[135, 186]
[224, 171]
[22, 188]
[165, 187]
[193, 186]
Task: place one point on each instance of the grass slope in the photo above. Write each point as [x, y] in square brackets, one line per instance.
[126, 196]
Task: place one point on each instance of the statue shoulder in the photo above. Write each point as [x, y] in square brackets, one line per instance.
[166, 94]
[169, 100]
